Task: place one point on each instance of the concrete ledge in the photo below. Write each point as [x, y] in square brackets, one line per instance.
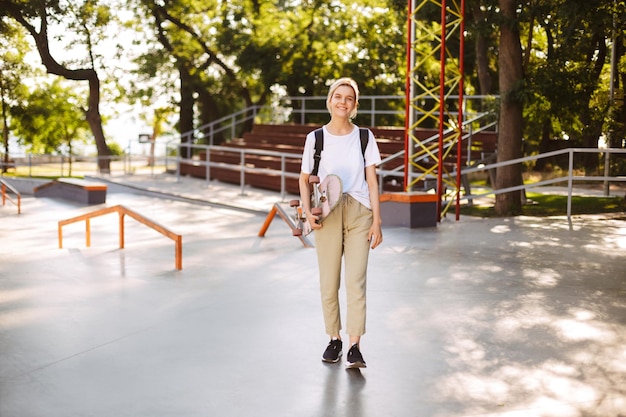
[90, 186]
[411, 210]
[73, 189]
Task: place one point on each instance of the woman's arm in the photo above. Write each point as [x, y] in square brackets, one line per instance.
[375, 235]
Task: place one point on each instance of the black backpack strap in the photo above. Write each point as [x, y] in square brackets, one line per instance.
[365, 137]
[319, 147]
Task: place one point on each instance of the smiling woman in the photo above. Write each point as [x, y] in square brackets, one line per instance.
[346, 233]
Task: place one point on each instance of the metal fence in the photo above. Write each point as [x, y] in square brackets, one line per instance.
[52, 166]
[569, 177]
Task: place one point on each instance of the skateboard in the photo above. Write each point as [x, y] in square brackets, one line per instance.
[324, 198]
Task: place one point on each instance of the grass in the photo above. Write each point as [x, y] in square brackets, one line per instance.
[40, 176]
[543, 205]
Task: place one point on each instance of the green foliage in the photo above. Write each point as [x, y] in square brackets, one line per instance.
[566, 62]
[236, 52]
[210, 58]
[12, 72]
[116, 149]
[50, 119]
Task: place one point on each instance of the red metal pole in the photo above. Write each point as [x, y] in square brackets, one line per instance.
[408, 96]
[442, 95]
[459, 149]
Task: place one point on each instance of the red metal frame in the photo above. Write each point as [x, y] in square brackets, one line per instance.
[452, 18]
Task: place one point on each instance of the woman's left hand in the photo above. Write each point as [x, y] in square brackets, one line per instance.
[375, 236]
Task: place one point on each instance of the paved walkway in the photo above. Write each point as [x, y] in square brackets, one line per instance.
[481, 317]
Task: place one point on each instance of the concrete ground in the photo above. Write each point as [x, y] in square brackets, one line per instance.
[482, 317]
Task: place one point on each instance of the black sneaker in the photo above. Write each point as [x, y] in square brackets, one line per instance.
[354, 358]
[333, 351]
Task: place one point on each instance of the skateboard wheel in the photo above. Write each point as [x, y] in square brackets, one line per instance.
[294, 203]
[316, 211]
[296, 232]
[314, 179]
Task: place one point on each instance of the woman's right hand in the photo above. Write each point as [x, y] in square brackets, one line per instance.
[314, 221]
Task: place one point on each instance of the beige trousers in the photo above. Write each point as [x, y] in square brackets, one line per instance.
[344, 234]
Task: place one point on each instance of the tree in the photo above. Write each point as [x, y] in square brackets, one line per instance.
[564, 67]
[510, 125]
[41, 13]
[12, 70]
[230, 55]
[482, 32]
[50, 120]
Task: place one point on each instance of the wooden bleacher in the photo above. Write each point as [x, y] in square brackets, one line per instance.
[289, 138]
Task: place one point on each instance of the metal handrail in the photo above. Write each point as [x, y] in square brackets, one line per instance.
[570, 177]
[399, 171]
[303, 110]
[241, 167]
[244, 169]
[122, 211]
[5, 197]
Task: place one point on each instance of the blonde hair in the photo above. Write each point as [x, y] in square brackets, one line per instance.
[347, 82]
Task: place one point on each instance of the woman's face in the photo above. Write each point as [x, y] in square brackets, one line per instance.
[343, 101]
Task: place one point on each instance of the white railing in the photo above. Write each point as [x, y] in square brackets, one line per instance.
[241, 167]
[227, 125]
[469, 130]
[301, 107]
[172, 164]
[570, 178]
[31, 165]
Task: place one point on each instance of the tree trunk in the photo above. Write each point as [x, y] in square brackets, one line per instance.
[511, 120]
[5, 129]
[186, 113]
[544, 143]
[620, 135]
[482, 56]
[590, 136]
[593, 125]
[95, 123]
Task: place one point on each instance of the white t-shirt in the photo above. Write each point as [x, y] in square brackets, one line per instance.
[342, 157]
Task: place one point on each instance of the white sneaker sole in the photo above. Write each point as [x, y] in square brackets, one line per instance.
[355, 365]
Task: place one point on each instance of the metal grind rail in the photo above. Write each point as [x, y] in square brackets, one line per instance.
[122, 211]
[5, 197]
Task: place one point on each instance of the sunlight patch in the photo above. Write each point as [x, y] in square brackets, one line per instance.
[576, 330]
[619, 239]
[500, 229]
[468, 350]
[583, 315]
[22, 317]
[465, 386]
[546, 278]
